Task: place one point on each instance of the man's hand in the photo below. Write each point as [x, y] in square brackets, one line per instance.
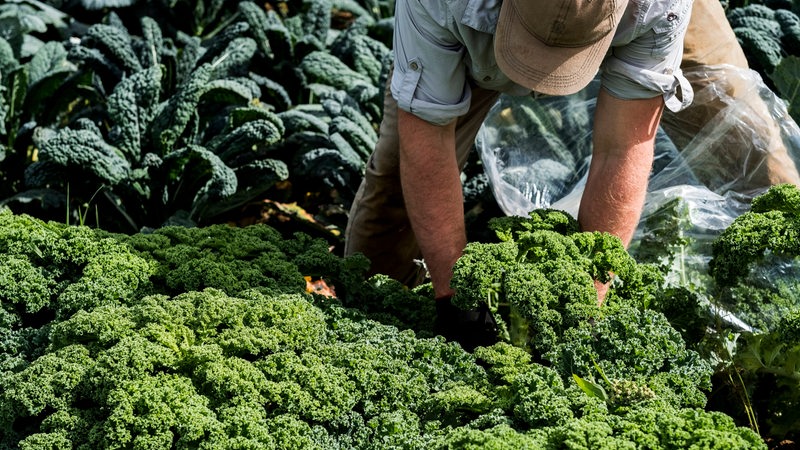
[470, 328]
[431, 182]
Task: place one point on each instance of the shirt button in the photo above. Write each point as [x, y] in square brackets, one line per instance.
[414, 66]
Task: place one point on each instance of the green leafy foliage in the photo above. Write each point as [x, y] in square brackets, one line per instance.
[768, 32]
[756, 265]
[198, 368]
[162, 146]
[35, 76]
[176, 112]
[111, 340]
[542, 262]
[540, 279]
[184, 124]
[736, 310]
[769, 230]
[787, 84]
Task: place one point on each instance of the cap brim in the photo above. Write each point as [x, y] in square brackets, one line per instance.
[542, 68]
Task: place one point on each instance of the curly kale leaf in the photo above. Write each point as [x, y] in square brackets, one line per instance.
[631, 344]
[74, 268]
[509, 228]
[480, 272]
[772, 226]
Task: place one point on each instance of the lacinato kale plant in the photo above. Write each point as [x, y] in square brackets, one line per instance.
[37, 83]
[176, 134]
[155, 125]
[769, 34]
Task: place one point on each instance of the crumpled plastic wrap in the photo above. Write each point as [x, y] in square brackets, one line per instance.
[734, 142]
[536, 150]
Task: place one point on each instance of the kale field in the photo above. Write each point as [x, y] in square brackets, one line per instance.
[176, 176]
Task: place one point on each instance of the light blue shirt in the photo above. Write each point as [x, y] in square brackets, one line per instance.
[441, 47]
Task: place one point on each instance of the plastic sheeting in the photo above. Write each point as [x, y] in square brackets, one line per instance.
[734, 142]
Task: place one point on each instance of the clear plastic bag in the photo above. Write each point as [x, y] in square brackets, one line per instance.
[734, 142]
[536, 150]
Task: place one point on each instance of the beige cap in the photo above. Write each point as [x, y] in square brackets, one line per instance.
[555, 46]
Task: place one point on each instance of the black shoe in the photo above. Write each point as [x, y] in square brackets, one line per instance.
[471, 328]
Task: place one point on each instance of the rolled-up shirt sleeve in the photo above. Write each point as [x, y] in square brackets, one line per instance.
[429, 79]
[649, 63]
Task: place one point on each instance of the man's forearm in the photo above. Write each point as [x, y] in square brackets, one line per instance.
[432, 190]
[622, 157]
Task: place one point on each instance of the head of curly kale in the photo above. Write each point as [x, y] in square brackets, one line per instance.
[543, 269]
[539, 282]
[756, 260]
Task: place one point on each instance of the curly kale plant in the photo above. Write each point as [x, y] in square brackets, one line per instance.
[544, 270]
[543, 274]
[100, 349]
[205, 370]
[739, 315]
[756, 265]
[51, 271]
[756, 260]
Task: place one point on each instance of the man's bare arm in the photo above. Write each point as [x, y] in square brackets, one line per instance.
[622, 157]
[432, 190]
